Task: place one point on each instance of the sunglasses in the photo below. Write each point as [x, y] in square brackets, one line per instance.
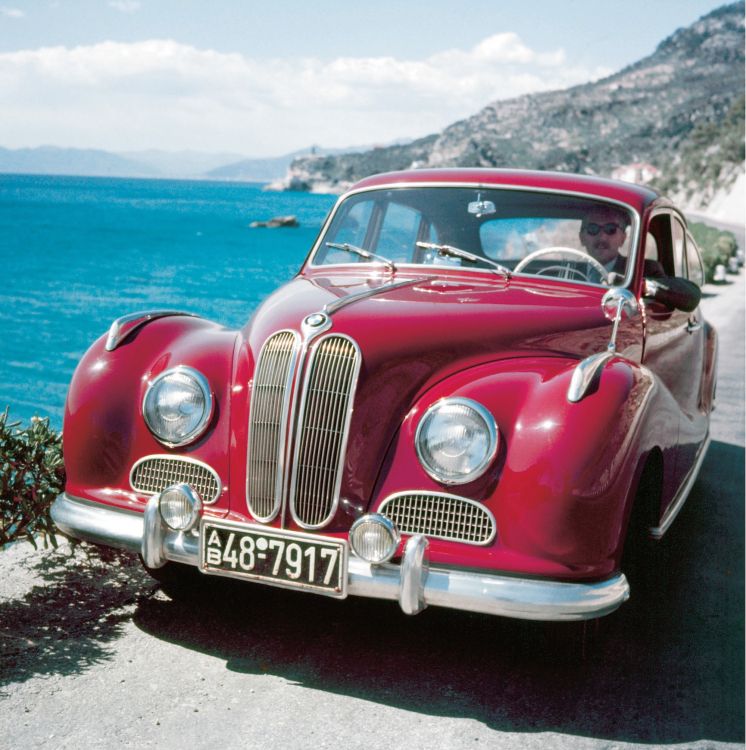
[593, 229]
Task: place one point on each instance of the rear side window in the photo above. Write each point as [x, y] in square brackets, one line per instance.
[694, 261]
[679, 249]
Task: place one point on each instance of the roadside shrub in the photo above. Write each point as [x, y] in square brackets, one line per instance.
[716, 246]
[31, 476]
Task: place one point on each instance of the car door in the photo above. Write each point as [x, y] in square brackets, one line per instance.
[694, 421]
[675, 351]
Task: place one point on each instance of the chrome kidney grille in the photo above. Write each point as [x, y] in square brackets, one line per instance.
[320, 427]
[270, 404]
[152, 474]
[321, 435]
[440, 516]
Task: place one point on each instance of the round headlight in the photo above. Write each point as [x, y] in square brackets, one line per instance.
[374, 538]
[456, 440]
[178, 406]
[179, 506]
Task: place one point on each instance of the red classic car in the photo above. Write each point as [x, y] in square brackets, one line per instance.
[480, 391]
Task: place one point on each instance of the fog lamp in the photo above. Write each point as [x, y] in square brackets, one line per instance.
[374, 538]
[179, 506]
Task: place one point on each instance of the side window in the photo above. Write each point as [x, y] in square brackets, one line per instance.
[694, 261]
[659, 242]
[679, 249]
[399, 232]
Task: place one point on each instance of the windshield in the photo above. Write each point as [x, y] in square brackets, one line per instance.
[548, 234]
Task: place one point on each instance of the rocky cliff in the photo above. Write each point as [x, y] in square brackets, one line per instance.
[658, 112]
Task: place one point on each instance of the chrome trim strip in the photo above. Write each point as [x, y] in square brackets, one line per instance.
[636, 224]
[391, 499]
[333, 307]
[488, 593]
[127, 324]
[677, 504]
[300, 422]
[280, 453]
[586, 374]
[177, 459]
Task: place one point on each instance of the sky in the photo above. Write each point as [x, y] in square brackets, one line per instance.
[268, 78]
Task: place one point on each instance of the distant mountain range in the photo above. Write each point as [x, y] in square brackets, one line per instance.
[675, 117]
[153, 163]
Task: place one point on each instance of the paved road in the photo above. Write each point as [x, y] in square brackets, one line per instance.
[92, 654]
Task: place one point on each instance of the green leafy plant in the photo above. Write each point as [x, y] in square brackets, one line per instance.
[716, 246]
[31, 476]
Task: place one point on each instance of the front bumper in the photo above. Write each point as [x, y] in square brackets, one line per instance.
[412, 582]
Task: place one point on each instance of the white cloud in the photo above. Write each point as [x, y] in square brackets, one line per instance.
[164, 94]
[11, 12]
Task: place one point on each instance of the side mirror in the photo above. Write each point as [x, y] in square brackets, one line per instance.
[674, 293]
[618, 304]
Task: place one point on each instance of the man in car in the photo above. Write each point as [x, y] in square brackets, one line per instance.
[603, 233]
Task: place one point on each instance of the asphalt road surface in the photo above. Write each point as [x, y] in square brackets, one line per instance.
[92, 654]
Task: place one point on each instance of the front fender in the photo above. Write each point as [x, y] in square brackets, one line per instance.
[560, 483]
[104, 431]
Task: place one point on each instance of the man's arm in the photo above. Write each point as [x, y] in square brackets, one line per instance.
[672, 291]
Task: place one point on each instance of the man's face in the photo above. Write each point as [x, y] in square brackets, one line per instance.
[602, 234]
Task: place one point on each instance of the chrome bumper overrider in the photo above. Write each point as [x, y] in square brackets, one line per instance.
[412, 582]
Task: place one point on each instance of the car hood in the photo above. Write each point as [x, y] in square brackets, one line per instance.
[423, 318]
[415, 331]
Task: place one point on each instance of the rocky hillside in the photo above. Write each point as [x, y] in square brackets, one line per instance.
[659, 111]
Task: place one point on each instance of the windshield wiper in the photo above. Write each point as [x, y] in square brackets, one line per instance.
[367, 254]
[449, 251]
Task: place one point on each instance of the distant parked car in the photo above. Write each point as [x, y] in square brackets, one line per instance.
[455, 403]
[720, 275]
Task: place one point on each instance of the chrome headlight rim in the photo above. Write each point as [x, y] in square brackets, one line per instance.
[492, 433]
[196, 432]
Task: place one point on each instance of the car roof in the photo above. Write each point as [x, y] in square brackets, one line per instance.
[638, 197]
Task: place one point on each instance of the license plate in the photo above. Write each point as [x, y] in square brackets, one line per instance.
[282, 558]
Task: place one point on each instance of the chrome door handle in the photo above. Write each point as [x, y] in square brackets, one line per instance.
[692, 326]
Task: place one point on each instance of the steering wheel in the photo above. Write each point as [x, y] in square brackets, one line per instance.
[567, 272]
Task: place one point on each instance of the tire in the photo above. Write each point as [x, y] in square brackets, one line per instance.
[644, 558]
[177, 581]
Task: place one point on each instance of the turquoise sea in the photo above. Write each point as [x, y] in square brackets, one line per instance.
[76, 253]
